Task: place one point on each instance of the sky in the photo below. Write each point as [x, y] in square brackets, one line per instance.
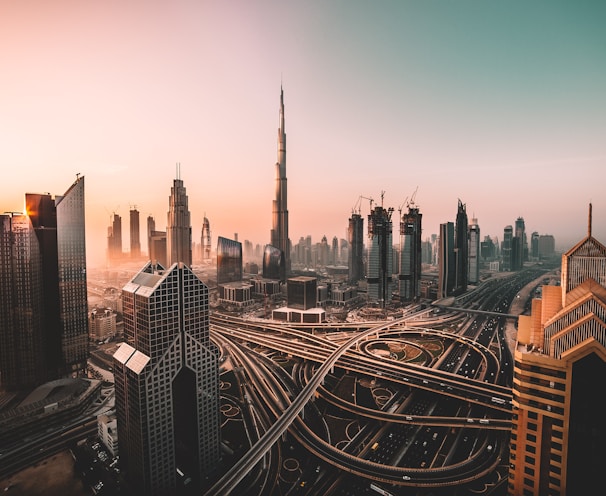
[499, 104]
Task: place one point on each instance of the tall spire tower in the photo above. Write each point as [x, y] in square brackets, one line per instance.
[178, 227]
[279, 232]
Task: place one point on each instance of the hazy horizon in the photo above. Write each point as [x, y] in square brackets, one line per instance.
[501, 105]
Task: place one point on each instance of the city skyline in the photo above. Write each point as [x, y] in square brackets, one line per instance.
[489, 103]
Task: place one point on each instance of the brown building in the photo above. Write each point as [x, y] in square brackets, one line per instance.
[559, 433]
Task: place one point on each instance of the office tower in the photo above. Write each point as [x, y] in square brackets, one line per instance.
[534, 245]
[22, 331]
[446, 261]
[114, 239]
[461, 249]
[279, 232]
[178, 225]
[157, 248]
[474, 252]
[487, 249]
[380, 257]
[521, 245]
[205, 239]
[558, 435]
[229, 260]
[355, 237]
[135, 236]
[166, 381]
[507, 249]
[44, 318]
[410, 255]
[334, 252]
[273, 263]
[151, 227]
[546, 246]
[323, 251]
[301, 292]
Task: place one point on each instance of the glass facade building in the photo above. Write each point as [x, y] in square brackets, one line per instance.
[355, 237]
[380, 256]
[273, 263]
[229, 260]
[446, 261]
[44, 318]
[301, 292]
[178, 226]
[410, 255]
[167, 381]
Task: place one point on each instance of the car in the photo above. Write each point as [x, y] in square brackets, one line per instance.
[406, 477]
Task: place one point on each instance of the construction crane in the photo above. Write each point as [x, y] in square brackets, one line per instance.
[357, 207]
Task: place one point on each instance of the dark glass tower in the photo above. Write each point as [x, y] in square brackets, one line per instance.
[446, 261]
[410, 255]
[167, 382]
[135, 236]
[380, 256]
[279, 232]
[114, 239]
[44, 318]
[461, 249]
[229, 260]
[355, 237]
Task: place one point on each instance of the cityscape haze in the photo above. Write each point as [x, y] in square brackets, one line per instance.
[499, 104]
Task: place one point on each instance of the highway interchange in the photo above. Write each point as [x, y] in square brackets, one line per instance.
[439, 419]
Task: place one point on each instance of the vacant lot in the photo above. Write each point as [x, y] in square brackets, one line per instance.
[54, 476]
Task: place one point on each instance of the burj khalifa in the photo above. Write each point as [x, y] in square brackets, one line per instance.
[279, 232]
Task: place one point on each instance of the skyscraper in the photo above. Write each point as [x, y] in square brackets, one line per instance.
[558, 435]
[507, 249]
[520, 250]
[446, 261]
[355, 237]
[178, 225]
[167, 381]
[229, 260]
[380, 256]
[410, 254]
[461, 249]
[279, 232]
[205, 239]
[114, 239]
[474, 252]
[135, 236]
[151, 227]
[44, 317]
[23, 363]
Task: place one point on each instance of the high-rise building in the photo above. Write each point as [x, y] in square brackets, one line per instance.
[410, 255]
[157, 248]
[167, 381]
[520, 247]
[178, 225]
[273, 263]
[506, 249]
[114, 239]
[461, 249]
[446, 261]
[534, 245]
[558, 430]
[546, 246]
[355, 237]
[474, 252]
[206, 239]
[229, 260]
[279, 232]
[135, 235]
[151, 227]
[380, 257]
[23, 363]
[43, 293]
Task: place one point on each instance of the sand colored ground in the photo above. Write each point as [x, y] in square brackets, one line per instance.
[54, 476]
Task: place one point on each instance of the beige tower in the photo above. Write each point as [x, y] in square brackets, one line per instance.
[558, 434]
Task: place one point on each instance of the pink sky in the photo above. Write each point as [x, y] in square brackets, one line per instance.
[501, 106]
